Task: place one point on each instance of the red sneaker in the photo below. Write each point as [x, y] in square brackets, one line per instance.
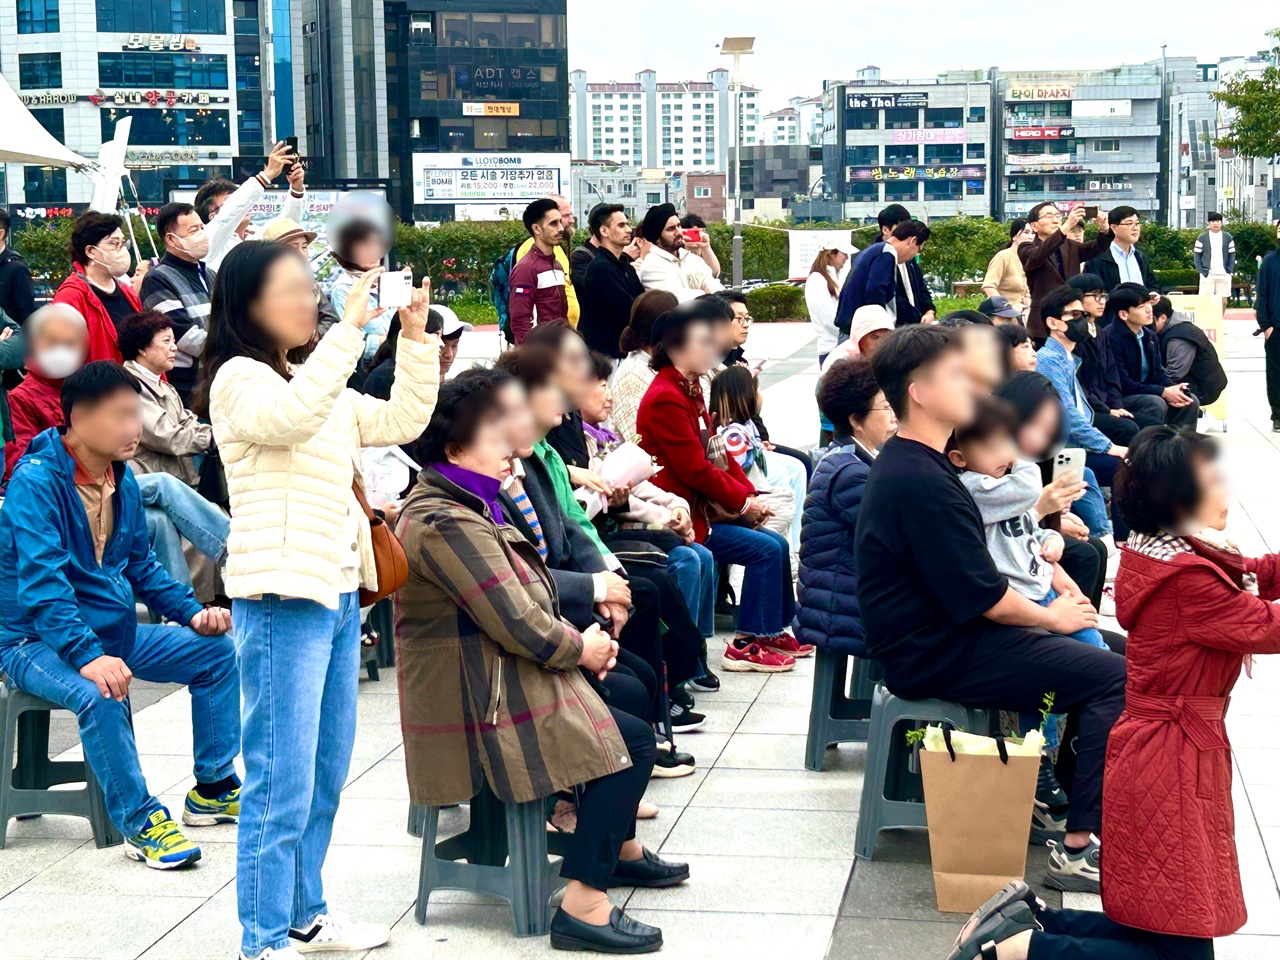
[787, 645]
[754, 658]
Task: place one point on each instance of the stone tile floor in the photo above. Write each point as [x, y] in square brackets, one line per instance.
[770, 843]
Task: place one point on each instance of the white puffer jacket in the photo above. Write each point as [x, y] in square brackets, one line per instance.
[291, 450]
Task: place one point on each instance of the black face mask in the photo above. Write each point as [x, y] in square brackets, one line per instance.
[1078, 330]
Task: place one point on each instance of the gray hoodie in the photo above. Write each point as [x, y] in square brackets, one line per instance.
[1014, 535]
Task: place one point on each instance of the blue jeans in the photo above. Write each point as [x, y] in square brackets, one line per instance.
[173, 511]
[1091, 508]
[1089, 635]
[693, 569]
[768, 598]
[160, 654]
[299, 669]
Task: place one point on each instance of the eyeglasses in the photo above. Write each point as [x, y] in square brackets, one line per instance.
[1048, 215]
[1132, 222]
[112, 244]
[885, 409]
[1100, 297]
[744, 319]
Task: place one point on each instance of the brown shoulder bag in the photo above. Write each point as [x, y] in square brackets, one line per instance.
[388, 555]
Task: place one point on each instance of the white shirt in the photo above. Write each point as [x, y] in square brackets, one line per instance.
[1216, 263]
[685, 276]
[221, 230]
[906, 283]
[822, 309]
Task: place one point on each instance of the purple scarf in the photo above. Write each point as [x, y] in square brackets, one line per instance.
[486, 488]
[603, 435]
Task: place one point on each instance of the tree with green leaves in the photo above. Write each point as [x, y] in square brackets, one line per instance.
[1255, 126]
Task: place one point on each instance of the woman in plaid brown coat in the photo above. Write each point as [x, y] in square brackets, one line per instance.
[494, 683]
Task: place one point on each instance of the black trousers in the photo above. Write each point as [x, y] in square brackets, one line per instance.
[681, 645]
[1148, 410]
[642, 636]
[1087, 935]
[1012, 668]
[1085, 562]
[1119, 430]
[607, 808]
[630, 687]
[1271, 348]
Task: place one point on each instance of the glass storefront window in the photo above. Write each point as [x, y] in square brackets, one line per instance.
[162, 16]
[44, 184]
[176, 71]
[170, 127]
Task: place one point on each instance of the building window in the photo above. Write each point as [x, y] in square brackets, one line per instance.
[248, 71]
[943, 153]
[1060, 108]
[862, 119]
[867, 155]
[176, 71]
[168, 127]
[863, 190]
[1111, 145]
[975, 188]
[899, 154]
[943, 189]
[249, 127]
[52, 120]
[902, 118]
[936, 117]
[245, 16]
[37, 16]
[975, 151]
[162, 16]
[901, 191]
[977, 115]
[653, 198]
[701, 192]
[39, 71]
[44, 184]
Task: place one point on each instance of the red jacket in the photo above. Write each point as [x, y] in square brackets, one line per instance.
[537, 293]
[35, 405]
[673, 427]
[75, 292]
[1169, 861]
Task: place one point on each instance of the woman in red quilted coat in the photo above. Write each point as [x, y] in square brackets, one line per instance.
[1196, 612]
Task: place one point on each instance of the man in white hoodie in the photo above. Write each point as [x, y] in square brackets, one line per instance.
[224, 207]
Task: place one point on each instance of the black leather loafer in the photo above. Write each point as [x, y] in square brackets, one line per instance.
[620, 935]
[649, 871]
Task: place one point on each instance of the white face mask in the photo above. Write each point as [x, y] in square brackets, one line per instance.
[116, 261]
[58, 362]
[195, 246]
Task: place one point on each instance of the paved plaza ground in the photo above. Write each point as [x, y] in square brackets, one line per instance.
[770, 844]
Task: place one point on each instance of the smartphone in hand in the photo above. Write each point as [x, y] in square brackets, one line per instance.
[395, 289]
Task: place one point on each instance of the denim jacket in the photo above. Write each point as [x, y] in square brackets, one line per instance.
[1060, 367]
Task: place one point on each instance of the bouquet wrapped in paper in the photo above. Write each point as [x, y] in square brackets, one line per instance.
[626, 465]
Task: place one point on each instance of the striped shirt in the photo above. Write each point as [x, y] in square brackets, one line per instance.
[515, 488]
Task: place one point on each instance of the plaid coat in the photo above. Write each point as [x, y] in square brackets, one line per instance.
[487, 668]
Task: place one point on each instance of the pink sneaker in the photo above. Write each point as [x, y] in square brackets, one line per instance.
[787, 645]
[753, 658]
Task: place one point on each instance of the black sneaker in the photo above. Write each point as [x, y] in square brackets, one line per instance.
[681, 697]
[1275, 426]
[684, 720]
[673, 763]
[1078, 871]
[707, 682]
[1048, 790]
[1049, 815]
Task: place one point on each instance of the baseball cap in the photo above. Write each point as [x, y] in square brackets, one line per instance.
[999, 307]
[451, 325]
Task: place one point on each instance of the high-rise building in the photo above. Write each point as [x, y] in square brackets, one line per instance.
[1247, 184]
[921, 143]
[1190, 157]
[800, 122]
[190, 75]
[672, 126]
[1092, 136]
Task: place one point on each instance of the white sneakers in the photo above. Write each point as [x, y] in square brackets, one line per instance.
[284, 953]
[333, 931]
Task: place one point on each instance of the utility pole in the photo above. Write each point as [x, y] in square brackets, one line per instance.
[737, 47]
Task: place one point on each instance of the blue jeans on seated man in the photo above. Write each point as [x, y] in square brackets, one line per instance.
[768, 598]
[696, 576]
[299, 672]
[160, 654]
[1089, 635]
[174, 510]
[1092, 508]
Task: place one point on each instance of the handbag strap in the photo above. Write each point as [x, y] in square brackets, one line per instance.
[364, 504]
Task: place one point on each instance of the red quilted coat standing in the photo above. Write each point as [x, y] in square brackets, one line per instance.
[1169, 855]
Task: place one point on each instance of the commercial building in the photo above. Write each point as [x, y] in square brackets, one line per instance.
[921, 143]
[676, 126]
[1246, 184]
[189, 74]
[1190, 157]
[636, 188]
[774, 178]
[1092, 136]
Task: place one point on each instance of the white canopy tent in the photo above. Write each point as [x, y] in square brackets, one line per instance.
[24, 140]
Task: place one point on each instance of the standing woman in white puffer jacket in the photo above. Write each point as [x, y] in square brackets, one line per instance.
[299, 550]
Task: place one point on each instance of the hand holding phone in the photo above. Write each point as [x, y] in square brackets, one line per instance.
[395, 289]
[1069, 462]
[692, 235]
[1091, 213]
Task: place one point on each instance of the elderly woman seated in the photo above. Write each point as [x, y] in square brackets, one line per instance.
[496, 686]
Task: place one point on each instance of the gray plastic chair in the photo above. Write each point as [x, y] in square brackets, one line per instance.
[892, 795]
[834, 716]
[24, 786]
[502, 853]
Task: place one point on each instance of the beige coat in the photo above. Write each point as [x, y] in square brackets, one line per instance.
[291, 449]
[1006, 275]
[171, 434]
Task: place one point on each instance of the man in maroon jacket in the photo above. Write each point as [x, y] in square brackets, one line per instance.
[1053, 257]
[537, 282]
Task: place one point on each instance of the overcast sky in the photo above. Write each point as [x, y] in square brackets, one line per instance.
[798, 44]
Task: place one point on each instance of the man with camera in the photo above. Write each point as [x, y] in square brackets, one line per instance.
[671, 265]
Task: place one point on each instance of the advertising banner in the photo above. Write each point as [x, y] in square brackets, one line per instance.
[1037, 159]
[1102, 108]
[886, 101]
[916, 173]
[488, 177]
[944, 135]
[1206, 313]
[804, 245]
[1043, 133]
[1039, 91]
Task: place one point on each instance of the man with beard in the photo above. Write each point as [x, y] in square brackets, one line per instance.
[563, 248]
[537, 280]
[669, 265]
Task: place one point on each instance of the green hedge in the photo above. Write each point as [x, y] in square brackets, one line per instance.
[778, 301]
[1177, 278]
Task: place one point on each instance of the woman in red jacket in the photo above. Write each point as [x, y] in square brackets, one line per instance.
[1196, 612]
[673, 425]
[98, 285]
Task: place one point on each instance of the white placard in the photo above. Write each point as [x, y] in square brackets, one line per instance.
[1102, 108]
[804, 245]
[488, 177]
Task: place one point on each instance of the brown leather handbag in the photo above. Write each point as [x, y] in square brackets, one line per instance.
[388, 555]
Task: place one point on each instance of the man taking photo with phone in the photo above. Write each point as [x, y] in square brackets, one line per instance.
[670, 265]
[1052, 258]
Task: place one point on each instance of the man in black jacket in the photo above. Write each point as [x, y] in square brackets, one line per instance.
[1121, 261]
[611, 283]
[1266, 305]
[912, 298]
[17, 295]
[1188, 354]
[1129, 339]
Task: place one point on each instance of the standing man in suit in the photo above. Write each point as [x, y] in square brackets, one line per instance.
[1122, 261]
[1052, 258]
[912, 300]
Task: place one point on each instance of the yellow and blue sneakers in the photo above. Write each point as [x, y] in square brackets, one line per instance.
[200, 811]
[161, 844]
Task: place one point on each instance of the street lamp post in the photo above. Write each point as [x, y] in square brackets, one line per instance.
[737, 47]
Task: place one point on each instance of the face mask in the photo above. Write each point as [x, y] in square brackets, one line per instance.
[58, 362]
[1078, 330]
[195, 246]
[116, 261]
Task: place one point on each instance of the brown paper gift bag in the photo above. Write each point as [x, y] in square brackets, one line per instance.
[979, 812]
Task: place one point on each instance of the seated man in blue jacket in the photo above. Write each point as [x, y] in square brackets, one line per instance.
[874, 277]
[73, 556]
[1128, 336]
